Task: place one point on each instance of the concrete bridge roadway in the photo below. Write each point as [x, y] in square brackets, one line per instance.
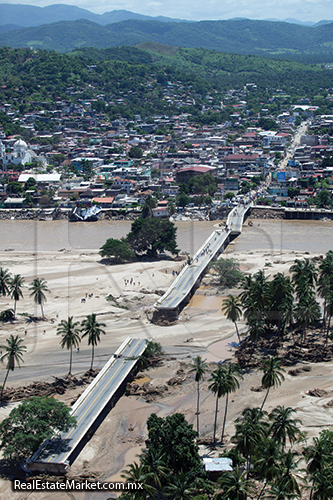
[191, 274]
[54, 454]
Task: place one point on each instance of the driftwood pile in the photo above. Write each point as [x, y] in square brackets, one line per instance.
[148, 392]
[290, 350]
[46, 389]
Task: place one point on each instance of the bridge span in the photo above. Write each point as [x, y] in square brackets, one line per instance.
[190, 276]
[55, 454]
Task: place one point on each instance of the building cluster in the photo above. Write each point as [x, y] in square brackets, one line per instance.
[88, 159]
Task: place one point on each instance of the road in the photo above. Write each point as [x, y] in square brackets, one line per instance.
[91, 403]
[301, 130]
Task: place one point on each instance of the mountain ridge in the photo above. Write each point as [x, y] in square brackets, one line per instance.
[265, 38]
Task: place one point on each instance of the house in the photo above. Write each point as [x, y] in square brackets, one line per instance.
[216, 466]
[105, 201]
[162, 212]
[185, 174]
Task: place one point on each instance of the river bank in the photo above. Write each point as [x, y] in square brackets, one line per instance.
[201, 330]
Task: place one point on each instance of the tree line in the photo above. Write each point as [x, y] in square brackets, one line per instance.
[285, 302]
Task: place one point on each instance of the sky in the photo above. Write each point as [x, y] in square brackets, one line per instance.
[196, 10]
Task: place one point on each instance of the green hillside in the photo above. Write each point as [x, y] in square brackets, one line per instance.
[266, 38]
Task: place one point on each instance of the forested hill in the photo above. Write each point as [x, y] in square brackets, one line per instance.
[266, 38]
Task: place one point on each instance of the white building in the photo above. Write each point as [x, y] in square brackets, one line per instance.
[20, 154]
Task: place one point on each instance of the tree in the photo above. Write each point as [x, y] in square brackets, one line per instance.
[319, 457]
[148, 206]
[182, 200]
[37, 287]
[28, 425]
[135, 152]
[304, 276]
[232, 372]
[323, 198]
[280, 301]
[174, 439]
[182, 486]
[251, 429]
[5, 279]
[272, 376]
[15, 289]
[218, 386]
[283, 426]
[307, 312]
[91, 328]
[135, 473]
[235, 485]
[232, 310]
[199, 367]
[228, 273]
[152, 235]
[119, 249]
[70, 336]
[157, 473]
[285, 482]
[14, 350]
[293, 192]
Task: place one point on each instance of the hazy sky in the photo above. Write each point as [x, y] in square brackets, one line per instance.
[196, 10]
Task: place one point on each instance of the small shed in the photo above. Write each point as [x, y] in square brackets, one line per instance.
[215, 466]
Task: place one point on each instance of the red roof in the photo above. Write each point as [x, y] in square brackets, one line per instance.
[197, 169]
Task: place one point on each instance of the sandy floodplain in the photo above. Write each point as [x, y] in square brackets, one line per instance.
[201, 330]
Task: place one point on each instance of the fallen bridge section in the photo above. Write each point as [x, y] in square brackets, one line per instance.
[192, 273]
[54, 455]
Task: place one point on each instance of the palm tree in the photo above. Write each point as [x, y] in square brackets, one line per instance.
[286, 480]
[254, 331]
[322, 485]
[199, 367]
[135, 474]
[272, 376]
[232, 371]
[14, 349]
[317, 456]
[16, 285]
[251, 429]
[232, 310]
[307, 312]
[153, 465]
[235, 485]
[304, 275]
[93, 330]
[284, 426]
[5, 279]
[182, 486]
[37, 287]
[325, 287]
[265, 466]
[70, 336]
[280, 301]
[218, 386]
[254, 297]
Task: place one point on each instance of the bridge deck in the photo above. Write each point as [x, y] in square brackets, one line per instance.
[58, 449]
[191, 273]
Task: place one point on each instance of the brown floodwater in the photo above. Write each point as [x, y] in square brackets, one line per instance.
[209, 302]
[271, 235]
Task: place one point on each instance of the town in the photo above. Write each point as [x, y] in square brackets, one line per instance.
[69, 153]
